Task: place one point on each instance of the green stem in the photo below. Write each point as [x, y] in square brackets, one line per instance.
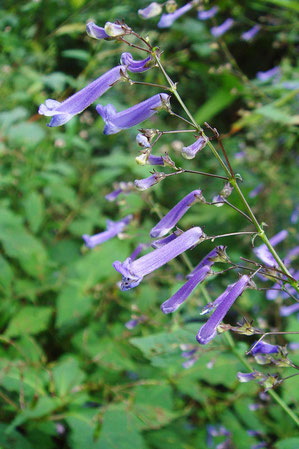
[260, 230]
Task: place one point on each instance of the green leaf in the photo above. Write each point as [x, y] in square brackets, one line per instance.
[288, 443]
[72, 305]
[291, 4]
[12, 440]
[67, 375]
[29, 320]
[6, 273]
[34, 210]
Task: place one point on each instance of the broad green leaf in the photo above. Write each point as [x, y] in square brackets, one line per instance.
[34, 210]
[67, 376]
[12, 440]
[288, 443]
[72, 305]
[29, 320]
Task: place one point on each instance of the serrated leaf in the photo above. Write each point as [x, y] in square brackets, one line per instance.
[29, 320]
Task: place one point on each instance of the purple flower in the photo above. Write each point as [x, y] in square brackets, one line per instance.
[292, 254]
[116, 29]
[223, 28]
[263, 348]
[294, 346]
[217, 254]
[144, 184]
[288, 310]
[174, 215]
[167, 20]
[259, 445]
[189, 363]
[134, 271]
[122, 187]
[212, 305]
[263, 253]
[292, 85]
[132, 65]
[147, 158]
[152, 10]
[165, 240]
[209, 329]
[253, 193]
[173, 303]
[131, 324]
[113, 229]
[116, 121]
[265, 76]
[143, 141]
[63, 112]
[95, 31]
[205, 15]
[138, 250]
[247, 377]
[295, 214]
[191, 151]
[248, 35]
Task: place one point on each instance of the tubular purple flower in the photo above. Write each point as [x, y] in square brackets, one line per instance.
[152, 10]
[113, 229]
[144, 184]
[95, 31]
[134, 66]
[254, 192]
[263, 348]
[292, 254]
[113, 195]
[167, 20]
[212, 305]
[268, 74]
[217, 254]
[134, 271]
[174, 215]
[223, 28]
[289, 310]
[248, 35]
[294, 346]
[205, 15]
[264, 254]
[173, 303]
[116, 121]
[143, 141]
[189, 363]
[247, 377]
[131, 324]
[208, 331]
[191, 151]
[116, 29]
[138, 250]
[162, 242]
[63, 112]
[121, 187]
[295, 214]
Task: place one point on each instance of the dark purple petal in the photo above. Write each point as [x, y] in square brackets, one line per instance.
[127, 60]
[173, 303]
[131, 324]
[174, 215]
[209, 329]
[263, 348]
[63, 112]
[113, 195]
[263, 253]
[217, 254]
[116, 121]
[164, 241]
[223, 28]
[247, 377]
[133, 271]
[167, 20]
[95, 31]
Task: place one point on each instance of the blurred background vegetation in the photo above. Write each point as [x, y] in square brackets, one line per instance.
[72, 375]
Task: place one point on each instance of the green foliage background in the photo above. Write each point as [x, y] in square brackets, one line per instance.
[71, 375]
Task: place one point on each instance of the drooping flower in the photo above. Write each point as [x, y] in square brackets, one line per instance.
[146, 183]
[113, 229]
[121, 187]
[212, 305]
[131, 324]
[248, 35]
[208, 14]
[289, 310]
[247, 377]
[173, 303]
[191, 151]
[116, 29]
[117, 121]
[143, 141]
[127, 60]
[134, 271]
[165, 240]
[263, 348]
[175, 214]
[208, 331]
[268, 74]
[152, 10]
[167, 20]
[63, 112]
[217, 254]
[146, 158]
[263, 253]
[223, 28]
[95, 31]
